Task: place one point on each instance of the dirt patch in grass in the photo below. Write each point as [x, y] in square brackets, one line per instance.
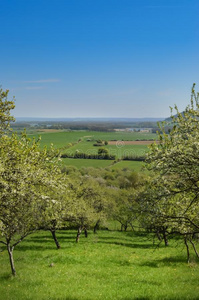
[130, 142]
[49, 130]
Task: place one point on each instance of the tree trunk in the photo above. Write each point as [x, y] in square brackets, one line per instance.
[96, 227]
[10, 252]
[85, 232]
[187, 246]
[53, 231]
[132, 227]
[165, 237]
[78, 234]
[125, 227]
[158, 235]
[194, 247]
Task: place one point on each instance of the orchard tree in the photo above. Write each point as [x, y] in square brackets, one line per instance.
[29, 181]
[55, 207]
[173, 196]
[87, 205]
[31, 184]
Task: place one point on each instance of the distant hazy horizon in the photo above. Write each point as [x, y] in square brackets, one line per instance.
[88, 118]
[107, 58]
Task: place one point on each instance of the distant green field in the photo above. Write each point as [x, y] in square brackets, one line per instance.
[136, 166]
[79, 163]
[88, 148]
[62, 139]
[69, 141]
[59, 139]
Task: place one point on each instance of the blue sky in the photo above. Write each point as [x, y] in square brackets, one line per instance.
[99, 58]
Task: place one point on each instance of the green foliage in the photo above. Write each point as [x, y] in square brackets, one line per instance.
[29, 189]
[5, 107]
[102, 154]
[87, 202]
[172, 199]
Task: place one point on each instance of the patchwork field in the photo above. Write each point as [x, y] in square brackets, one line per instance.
[118, 151]
[136, 166]
[119, 144]
[124, 143]
[62, 138]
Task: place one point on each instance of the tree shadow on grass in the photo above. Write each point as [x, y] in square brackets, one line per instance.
[167, 261]
[6, 276]
[49, 246]
[135, 233]
[138, 298]
[25, 247]
[129, 245]
[161, 297]
[128, 239]
[67, 298]
[44, 239]
[67, 232]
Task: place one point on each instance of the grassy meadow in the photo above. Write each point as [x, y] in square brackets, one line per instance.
[86, 163]
[107, 265]
[63, 138]
[136, 166]
[118, 151]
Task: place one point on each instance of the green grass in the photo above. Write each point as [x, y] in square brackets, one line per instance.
[62, 139]
[136, 166]
[88, 148]
[80, 163]
[109, 265]
[59, 139]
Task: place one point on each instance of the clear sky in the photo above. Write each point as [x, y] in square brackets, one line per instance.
[99, 58]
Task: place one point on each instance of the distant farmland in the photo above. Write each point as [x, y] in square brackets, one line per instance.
[119, 144]
[62, 138]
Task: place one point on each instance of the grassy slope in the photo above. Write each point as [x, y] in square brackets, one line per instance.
[79, 163]
[136, 166]
[109, 265]
[98, 163]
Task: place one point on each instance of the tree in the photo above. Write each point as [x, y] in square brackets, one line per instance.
[57, 205]
[29, 184]
[173, 195]
[87, 204]
[5, 107]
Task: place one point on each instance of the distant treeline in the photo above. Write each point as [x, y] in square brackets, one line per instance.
[89, 156]
[91, 126]
[82, 155]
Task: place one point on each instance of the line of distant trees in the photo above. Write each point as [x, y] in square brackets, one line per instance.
[102, 154]
[93, 126]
